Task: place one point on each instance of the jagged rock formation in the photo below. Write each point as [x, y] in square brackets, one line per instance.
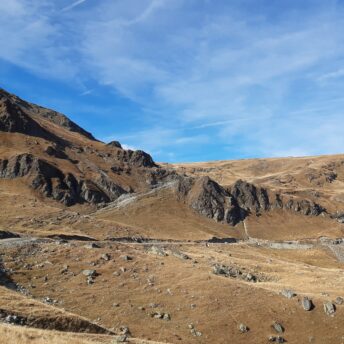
[74, 172]
[115, 144]
[14, 120]
[234, 204]
[250, 197]
[211, 200]
[53, 183]
[136, 158]
[19, 121]
[256, 200]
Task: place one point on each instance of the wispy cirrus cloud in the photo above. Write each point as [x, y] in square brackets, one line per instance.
[202, 74]
[72, 5]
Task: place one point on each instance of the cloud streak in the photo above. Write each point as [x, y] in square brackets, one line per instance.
[71, 6]
[227, 75]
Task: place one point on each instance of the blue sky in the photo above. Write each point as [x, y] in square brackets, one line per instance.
[185, 80]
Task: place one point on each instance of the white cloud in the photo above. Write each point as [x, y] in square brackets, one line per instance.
[232, 71]
[72, 5]
[332, 75]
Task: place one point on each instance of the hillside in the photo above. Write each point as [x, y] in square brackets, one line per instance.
[102, 244]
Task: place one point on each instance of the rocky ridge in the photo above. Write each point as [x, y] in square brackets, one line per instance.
[232, 205]
[125, 171]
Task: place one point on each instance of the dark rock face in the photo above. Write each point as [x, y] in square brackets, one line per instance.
[62, 121]
[56, 152]
[112, 190]
[14, 120]
[136, 158]
[157, 176]
[53, 183]
[115, 144]
[15, 117]
[8, 235]
[304, 207]
[250, 197]
[234, 204]
[339, 216]
[211, 200]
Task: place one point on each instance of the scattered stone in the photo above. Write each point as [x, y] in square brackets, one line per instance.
[90, 273]
[90, 280]
[124, 330]
[329, 308]
[196, 333]
[243, 328]
[339, 300]
[277, 327]
[121, 339]
[115, 304]
[14, 319]
[92, 245]
[250, 277]
[288, 293]
[191, 326]
[234, 272]
[105, 257]
[160, 315]
[127, 258]
[153, 305]
[167, 317]
[307, 304]
[159, 251]
[49, 300]
[276, 339]
[180, 255]
[64, 269]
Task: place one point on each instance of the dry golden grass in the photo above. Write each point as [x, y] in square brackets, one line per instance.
[186, 289]
[300, 176]
[220, 303]
[21, 335]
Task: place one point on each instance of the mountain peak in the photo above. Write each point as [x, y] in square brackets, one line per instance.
[31, 112]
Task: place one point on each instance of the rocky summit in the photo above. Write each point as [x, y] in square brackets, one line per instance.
[110, 246]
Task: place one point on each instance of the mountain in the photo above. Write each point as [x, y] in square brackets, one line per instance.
[99, 240]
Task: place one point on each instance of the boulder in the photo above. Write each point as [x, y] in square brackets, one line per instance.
[243, 328]
[329, 308]
[339, 300]
[288, 293]
[277, 327]
[276, 339]
[307, 304]
[89, 273]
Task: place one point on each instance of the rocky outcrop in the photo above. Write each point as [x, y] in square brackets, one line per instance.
[250, 197]
[115, 144]
[136, 158]
[211, 200]
[16, 113]
[14, 120]
[304, 207]
[111, 189]
[257, 200]
[234, 204]
[53, 183]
